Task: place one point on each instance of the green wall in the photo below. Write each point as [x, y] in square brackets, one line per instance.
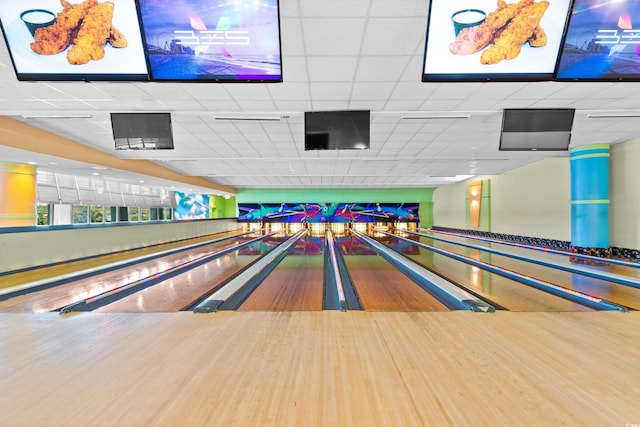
[334, 195]
[223, 208]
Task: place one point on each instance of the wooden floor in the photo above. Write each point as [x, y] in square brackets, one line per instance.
[320, 369]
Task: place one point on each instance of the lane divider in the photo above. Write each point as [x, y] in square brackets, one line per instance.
[335, 271]
[215, 300]
[570, 294]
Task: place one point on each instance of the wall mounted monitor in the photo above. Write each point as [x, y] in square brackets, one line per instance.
[57, 49]
[142, 131]
[543, 129]
[476, 40]
[602, 41]
[337, 130]
[212, 40]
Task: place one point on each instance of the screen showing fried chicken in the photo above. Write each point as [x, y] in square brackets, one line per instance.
[86, 40]
[518, 40]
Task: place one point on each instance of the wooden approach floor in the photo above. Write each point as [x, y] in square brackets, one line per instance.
[320, 369]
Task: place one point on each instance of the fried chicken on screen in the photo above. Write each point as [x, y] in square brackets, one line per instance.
[538, 38]
[474, 39]
[116, 38]
[92, 36]
[519, 30]
[57, 37]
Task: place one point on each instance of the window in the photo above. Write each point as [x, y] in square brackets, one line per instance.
[43, 213]
[133, 214]
[97, 214]
[80, 214]
[144, 214]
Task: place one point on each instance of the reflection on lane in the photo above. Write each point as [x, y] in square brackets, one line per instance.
[616, 293]
[296, 284]
[68, 293]
[546, 255]
[184, 290]
[380, 286]
[510, 294]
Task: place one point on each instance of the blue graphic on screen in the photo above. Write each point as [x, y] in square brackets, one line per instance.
[204, 40]
[602, 42]
[328, 212]
[191, 206]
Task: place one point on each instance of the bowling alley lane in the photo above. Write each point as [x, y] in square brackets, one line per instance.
[629, 271]
[505, 292]
[616, 293]
[382, 287]
[491, 285]
[67, 267]
[296, 284]
[61, 295]
[183, 290]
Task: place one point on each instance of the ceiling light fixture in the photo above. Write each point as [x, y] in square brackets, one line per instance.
[248, 118]
[57, 116]
[613, 115]
[436, 117]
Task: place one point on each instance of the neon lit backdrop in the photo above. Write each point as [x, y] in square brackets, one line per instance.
[328, 212]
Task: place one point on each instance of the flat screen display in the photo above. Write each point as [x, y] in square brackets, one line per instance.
[142, 131]
[87, 41]
[602, 42]
[536, 129]
[212, 40]
[478, 40]
[337, 130]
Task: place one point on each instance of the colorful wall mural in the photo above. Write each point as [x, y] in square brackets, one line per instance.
[328, 212]
[191, 206]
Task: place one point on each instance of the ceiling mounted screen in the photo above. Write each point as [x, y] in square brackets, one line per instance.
[337, 130]
[536, 129]
[142, 131]
[86, 41]
[212, 40]
[476, 40]
[602, 41]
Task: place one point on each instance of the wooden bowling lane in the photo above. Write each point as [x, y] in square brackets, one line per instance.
[622, 270]
[507, 293]
[382, 287]
[44, 272]
[183, 290]
[68, 293]
[296, 284]
[619, 294]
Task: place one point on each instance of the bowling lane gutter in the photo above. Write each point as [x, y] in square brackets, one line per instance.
[520, 245]
[49, 282]
[570, 294]
[450, 295]
[238, 289]
[108, 297]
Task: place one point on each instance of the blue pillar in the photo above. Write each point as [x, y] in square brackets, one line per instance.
[590, 199]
